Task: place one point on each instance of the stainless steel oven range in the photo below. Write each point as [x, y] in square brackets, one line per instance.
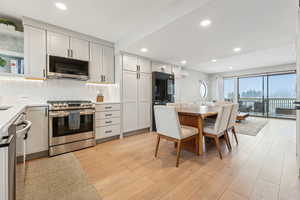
[71, 126]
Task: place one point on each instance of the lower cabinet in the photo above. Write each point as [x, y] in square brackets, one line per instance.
[37, 140]
[108, 120]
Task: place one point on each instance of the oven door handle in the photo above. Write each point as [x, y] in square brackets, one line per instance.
[65, 114]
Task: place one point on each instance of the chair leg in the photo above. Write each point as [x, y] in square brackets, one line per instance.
[227, 141]
[235, 136]
[178, 152]
[157, 145]
[197, 144]
[217, 141]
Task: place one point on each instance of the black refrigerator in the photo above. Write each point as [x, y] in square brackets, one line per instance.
[163, 91]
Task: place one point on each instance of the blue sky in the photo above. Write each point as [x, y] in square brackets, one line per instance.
[279, 85]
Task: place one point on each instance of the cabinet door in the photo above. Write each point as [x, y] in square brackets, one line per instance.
[35, 52]
[145, 65]
[130, 104]
[79, 49]
[37, 140]
[95, 65]
[57, 44]
[108, 67]
[144, 100]
[130, 62]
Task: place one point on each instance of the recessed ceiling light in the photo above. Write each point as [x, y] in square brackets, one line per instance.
[237, 49]
[230, 67]
[61, 6]
[213, 60]
[144, 50]
[205, 22]
[183, 62]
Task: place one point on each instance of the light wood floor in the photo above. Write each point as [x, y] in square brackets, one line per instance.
[261, 167]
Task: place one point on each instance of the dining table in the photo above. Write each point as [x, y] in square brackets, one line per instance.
[195, 115]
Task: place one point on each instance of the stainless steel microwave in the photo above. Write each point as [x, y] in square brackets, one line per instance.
[60, 67]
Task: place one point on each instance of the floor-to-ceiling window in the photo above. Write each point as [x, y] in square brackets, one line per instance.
[229, 92]
[269, 95]
[281, 95]
[251, 95]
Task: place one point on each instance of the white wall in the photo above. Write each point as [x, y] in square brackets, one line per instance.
[63, 89]
[187, 88]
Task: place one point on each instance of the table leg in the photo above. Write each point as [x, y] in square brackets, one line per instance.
[200, 129]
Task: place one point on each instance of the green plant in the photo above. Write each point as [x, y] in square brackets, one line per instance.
[2, 62]
[7, 22]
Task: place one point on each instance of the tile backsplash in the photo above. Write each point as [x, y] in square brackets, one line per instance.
[13, 90]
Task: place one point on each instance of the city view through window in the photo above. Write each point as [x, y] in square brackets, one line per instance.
[268, 95]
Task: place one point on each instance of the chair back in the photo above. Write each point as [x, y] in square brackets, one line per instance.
[223, 118]
[233, 115]
[167, 122]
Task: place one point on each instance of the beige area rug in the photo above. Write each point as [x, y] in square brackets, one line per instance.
[56, 178]
[251, 126]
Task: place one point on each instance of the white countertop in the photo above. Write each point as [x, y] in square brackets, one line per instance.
[7, 117]
[106, 102]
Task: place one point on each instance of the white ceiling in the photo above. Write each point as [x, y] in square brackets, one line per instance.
[264, 29]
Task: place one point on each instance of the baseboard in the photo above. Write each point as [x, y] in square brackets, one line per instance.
[41, 154]
[102, 140]
[137, 132]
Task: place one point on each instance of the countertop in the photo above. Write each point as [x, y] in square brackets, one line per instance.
[7, 117]
[106, 102]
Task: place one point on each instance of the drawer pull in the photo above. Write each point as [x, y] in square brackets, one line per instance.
[108, 131]
[108, 115]
[108, 107]
[108, 122]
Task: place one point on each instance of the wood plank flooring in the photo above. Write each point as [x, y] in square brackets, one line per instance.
[260, 167]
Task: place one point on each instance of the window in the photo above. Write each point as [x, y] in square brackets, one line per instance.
[229, 89]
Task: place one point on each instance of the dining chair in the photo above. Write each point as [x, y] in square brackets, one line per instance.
[232, 120]
[219, 128]
[169, 128]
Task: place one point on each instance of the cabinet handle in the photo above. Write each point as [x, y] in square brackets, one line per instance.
[108, 131]
[68, 53]
[104, 78]
[108, 115]
[44, 73]
[108, 107]
[71, 52]
[108, 122]
[46, 112]
[101, 78]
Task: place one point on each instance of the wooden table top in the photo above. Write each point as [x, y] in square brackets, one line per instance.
[197, 111]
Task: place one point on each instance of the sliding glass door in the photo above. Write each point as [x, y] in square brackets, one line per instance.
[269, 95]
[281, 95]
[251, 95]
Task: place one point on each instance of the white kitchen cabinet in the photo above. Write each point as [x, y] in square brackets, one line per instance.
[35, 52]
[108, 120]
[58, 44]
[161, 67]
[130, 101]
[95, 66]
[145, 65]
[37, 140]
[137, 95]
[79, 49]
[102, 64]
[108, 65]
[144, 100]
[130, 62]
[135, 63]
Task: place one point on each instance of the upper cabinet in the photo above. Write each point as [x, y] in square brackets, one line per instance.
[66, 46]
[79, 49]
[58, 44]
[102, 66]
[108, 64]
[135, 63]
[35, 52]
[130, 62]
